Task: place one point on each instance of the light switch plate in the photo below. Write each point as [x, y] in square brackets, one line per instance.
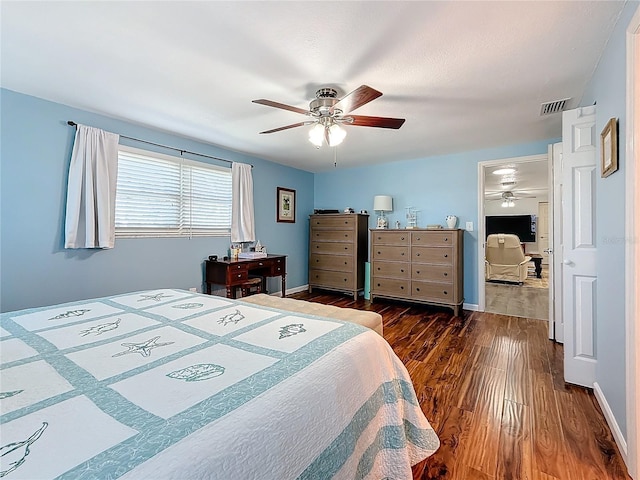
[469, 226]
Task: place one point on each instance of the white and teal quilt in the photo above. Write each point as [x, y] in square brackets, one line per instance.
[174, 384]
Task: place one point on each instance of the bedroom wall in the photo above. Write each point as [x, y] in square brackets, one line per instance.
[436, 186]
[36, 270]
[607, 89]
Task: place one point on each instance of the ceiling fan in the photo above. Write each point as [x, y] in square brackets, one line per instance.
[329, 112]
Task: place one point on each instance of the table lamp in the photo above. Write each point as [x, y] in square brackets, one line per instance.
[382, 203]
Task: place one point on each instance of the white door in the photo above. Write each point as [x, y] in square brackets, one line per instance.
[556, 324]
[579, 245]
[543, 231]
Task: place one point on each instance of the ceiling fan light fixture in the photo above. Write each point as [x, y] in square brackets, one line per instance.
[336, 135]
[316, 135]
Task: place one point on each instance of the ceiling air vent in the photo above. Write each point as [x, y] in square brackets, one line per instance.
[553, 107]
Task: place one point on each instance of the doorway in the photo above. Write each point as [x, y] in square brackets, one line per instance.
[515, 198]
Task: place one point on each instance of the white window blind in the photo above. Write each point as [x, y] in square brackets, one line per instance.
[164, 196]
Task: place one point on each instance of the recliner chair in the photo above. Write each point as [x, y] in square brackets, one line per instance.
[505, 259]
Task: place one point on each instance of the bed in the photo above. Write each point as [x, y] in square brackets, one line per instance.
[174, 384]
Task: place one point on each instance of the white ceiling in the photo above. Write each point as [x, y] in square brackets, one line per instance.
[465, 75]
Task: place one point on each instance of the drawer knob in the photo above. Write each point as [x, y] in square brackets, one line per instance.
[401, 270]
[345, 263]
[445, 255]
[345, 279]
[378, 253]
[346, 235]
[401, 238]
[418, 238]
[445, 274]
[418, 271]
[417, 289]
[378, 284]
[445, 292]
[378, 268]
[402, 254]
[417, 254]
[239, 276]
[346, 248]
[446, 239]
[401, 287]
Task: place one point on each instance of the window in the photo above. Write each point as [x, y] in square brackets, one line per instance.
[164, 196]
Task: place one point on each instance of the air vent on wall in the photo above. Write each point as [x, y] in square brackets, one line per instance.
[553, 107]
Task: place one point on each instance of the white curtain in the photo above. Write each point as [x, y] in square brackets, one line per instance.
[242, 221]
[91, 189]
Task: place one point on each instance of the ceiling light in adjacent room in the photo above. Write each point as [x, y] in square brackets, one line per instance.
[504, 171]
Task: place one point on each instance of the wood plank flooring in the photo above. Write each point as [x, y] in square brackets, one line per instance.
[492, 387]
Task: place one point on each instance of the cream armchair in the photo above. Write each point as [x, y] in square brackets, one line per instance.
[504, 258]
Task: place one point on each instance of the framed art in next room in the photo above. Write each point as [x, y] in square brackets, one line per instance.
[609, 148]
[286, 205]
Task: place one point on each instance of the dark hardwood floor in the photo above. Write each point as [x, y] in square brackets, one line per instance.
[492, 387]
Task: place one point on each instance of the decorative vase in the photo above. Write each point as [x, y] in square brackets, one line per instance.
[451, 220]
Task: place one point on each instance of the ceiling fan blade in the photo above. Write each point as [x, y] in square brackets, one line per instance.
[300, 124]
[270, 103]
[359, 97]
[380, 122]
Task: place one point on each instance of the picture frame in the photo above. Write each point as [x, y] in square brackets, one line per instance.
[285, 205]
[609, 148]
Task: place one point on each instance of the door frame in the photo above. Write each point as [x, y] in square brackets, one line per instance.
[481, 228]
[632, 248]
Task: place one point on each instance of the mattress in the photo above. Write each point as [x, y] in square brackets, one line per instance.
[173, 384]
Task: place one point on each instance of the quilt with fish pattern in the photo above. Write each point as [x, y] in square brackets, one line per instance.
[174, 384]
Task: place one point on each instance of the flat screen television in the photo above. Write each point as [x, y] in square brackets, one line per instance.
[524, 226]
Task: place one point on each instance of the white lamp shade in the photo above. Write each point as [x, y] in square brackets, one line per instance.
[316, 135]
[336, 135]
[382, 203]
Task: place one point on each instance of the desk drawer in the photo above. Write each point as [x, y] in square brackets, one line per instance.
[331, 279]
[340, 263]
[237, 274]
[333, 235]
[442, 255]
[332, 247]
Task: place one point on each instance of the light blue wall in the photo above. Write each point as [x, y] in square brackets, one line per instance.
[436, 186]
[607, 90]
[35, 270]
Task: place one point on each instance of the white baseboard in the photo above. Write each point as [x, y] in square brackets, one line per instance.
[301, 288]
[611, 421]
[470, 306]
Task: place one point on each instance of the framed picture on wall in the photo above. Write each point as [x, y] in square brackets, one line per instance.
[609, 148]
[286, 205]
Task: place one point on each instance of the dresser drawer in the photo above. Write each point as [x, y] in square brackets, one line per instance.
[389, 238]
[335, 248]
[331, 279]
[390, 269]
[386, 252]
[332, 235]
[344, 222]
[432, 238]
[441, 255]
[432, 273]
[341, 263]
[432, 291]
[390, 286]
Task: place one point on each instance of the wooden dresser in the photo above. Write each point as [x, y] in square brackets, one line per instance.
[418, 265]
[338, 252]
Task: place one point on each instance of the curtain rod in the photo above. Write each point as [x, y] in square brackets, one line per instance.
[74, 124]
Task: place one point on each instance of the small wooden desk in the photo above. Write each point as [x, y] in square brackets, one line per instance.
[232, 273]
[537, 262]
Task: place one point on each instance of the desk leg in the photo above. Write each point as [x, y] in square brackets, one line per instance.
[539, 268]
[284, 285]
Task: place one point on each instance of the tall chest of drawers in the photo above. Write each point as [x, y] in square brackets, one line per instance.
[418, 265]
[338, 252]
